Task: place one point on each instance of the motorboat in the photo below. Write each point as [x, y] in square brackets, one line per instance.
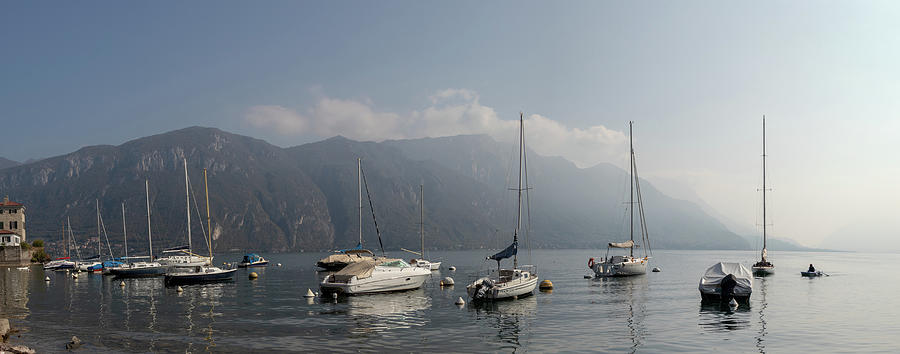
[725, 281]
[421, 263]
[104, 267]
[627, 265]
[375, 276]
[61, 263]
[508, 283]
[253, 260]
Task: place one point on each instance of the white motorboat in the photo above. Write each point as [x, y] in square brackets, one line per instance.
[59, 264]
[421, 263]
[764, 267]
[726, 281]
[517, 281]
[375, 276]
[181, 274]
[628, 265]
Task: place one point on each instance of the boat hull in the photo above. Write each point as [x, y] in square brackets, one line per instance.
[401, 280]
[511, 289]
[631, 267]
[812, 274]
[196, 278]
[763, 270]
[138, 272]
[254, 264]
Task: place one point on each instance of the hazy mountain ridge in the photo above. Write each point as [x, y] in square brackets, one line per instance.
[4, 163]
[265, 197]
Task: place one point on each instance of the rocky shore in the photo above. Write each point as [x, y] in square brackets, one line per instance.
[5, 332]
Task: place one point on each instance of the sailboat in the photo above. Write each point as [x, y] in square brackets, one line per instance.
[516, 281]
[421, 261]
[141, 269]
[183, 256]
[351, 255]
[620, 266]
[95, 262]
[764, 267]
[61, 263]
[198, 273]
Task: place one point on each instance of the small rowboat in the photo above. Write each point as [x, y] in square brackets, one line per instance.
[817, 273]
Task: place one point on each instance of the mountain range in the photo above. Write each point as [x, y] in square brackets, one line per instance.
[267, 198]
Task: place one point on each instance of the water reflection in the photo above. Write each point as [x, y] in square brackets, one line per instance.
[381, 312]
[14, 291]
[511, 318]
[629, 295]
[717, 316]
[763, 330]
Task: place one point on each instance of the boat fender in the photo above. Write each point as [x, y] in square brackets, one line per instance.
[591, 262]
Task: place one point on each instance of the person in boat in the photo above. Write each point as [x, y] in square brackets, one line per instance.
[811, 269]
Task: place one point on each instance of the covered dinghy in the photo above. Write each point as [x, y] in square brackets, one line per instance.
[724, 281]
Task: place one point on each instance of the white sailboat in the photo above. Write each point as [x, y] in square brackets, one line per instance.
[622, 265]
[764, 267]
[421, 261]
[180, 256]
[516, 281]
[352, 255]
[141, 269]
[198, 273]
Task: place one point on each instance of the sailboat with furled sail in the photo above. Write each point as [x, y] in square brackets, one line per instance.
[620, 266]
[516, 281]
[147, 268]
[764, 267]
[198, 273]
[352, 255]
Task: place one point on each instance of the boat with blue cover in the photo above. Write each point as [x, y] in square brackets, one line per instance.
[253, 260]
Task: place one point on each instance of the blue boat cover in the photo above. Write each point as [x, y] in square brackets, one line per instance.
[358, 247]
[506, 253]
[251, 257]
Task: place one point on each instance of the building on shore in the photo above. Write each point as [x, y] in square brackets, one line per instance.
[12, 223]
[12, 234]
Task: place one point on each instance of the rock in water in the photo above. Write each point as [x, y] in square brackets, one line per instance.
[4, 328]
[16, 349]
[75, 343]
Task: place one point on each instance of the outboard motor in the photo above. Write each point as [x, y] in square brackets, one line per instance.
[727, 285]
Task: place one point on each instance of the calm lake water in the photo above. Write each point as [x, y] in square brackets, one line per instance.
[852, 310]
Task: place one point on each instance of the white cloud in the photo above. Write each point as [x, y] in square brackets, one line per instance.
[451, 112]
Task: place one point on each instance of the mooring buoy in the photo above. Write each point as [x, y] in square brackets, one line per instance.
[253, 275]
[448, 281]
[460, 301]
[656, 270]
[452, 268]
[179, 289]
[733, 304]
[122, 284]
[546, 285]
[46, 278]
[309, 293]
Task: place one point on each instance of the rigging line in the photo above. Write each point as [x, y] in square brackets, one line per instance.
[199, 217]
[72, 236]
[103, 226]
[645, 234]
[372, 208]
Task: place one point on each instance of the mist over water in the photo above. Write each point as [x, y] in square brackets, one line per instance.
[849, 311]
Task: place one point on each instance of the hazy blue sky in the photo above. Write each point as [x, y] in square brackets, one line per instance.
[695, 76]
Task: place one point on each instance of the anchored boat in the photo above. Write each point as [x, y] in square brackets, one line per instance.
[375, 276]
[356, 254]
[142, 269]
[253, 260]
[726, 281]
[764, 267]
[618, 265]
[516, 281]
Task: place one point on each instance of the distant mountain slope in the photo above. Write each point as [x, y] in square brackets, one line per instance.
[306, 197]
[4, 163]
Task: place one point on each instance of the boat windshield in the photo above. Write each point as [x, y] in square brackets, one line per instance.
[396, 263]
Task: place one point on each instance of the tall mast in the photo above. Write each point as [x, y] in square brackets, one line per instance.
[208, 223]
[631, 182]
[519, 190]
[187, 198]
[422, 217]
[149, 233]
[125, 231]
[763, 256]
[359, 186]
[99, 243]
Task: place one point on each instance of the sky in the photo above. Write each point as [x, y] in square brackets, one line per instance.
[695, 77]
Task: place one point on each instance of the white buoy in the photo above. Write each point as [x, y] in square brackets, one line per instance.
[733, 304]
[279, 264]
[46, 278]
[309, 293]
[122, 284]
[656, 270]
[179, 289]
[75, 275]
[460, 301]
[452, 268]
[334, 296]
[448, 281]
